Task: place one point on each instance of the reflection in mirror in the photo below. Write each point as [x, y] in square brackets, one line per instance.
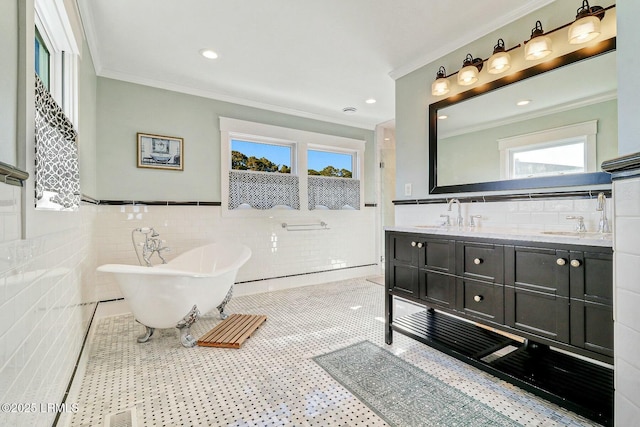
[501, 134]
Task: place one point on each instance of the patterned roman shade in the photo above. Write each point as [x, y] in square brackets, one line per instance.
[56, 157]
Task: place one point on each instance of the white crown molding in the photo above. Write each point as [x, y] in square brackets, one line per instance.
[480, 31]
[117, 75]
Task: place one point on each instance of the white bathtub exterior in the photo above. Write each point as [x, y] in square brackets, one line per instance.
[162, 295]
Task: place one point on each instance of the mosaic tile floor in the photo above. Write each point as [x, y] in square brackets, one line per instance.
[272, 380]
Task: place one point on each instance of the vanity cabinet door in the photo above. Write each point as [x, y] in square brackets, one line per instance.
[402, 275]
[537, 291]
[592, 301]
[437, 268]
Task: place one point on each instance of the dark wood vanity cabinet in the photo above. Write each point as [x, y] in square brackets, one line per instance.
[559, 295]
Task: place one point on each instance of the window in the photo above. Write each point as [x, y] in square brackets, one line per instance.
[56, 54]
[555, 158]
[330, 163]
[559, 151]
[42, 60]
[261, 156]
[268, 167]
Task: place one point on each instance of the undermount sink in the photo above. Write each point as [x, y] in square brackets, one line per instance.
[590, 234]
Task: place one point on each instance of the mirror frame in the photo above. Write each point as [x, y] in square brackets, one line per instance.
[592, 178]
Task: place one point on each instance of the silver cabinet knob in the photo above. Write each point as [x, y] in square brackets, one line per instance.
[478, 298]
[420, 245]
[575, 263]
[561, 261]
[477, 261]
[413, 244]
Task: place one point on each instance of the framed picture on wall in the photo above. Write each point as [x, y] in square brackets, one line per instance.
[160, 152]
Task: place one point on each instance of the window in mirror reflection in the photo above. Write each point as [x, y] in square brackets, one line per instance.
[559, 151]
[555, 159]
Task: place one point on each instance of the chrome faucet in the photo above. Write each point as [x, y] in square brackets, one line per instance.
[603, 225]
[580, 227]
[459, 219]
[152, 244]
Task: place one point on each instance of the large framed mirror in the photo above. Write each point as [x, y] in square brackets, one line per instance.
[480, 140]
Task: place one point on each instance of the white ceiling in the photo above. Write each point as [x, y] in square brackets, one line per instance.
[309, 58]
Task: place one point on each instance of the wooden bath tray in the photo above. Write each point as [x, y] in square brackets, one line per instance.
[233, 331]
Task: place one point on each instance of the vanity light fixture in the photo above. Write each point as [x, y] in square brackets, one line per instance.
[441, 85]
[586, 27]
[538, 46]
[471, 67]
[500, 61]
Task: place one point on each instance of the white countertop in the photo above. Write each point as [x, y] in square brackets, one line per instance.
[567, 237]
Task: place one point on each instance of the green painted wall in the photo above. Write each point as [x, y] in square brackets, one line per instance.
[87, 103]
[123, 109]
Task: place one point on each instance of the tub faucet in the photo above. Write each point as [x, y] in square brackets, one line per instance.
[603, 225]
[459, 219]
[152, 244]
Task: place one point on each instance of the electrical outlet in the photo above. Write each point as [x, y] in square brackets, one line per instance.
[407, 189]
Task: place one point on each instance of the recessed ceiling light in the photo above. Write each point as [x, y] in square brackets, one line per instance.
[442, 116]
[349, 110]
[208, 53]
[370, 101]
[523, 102]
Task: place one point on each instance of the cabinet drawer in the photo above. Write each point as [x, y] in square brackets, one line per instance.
[481, 300]
[480, 261]
[539, 313]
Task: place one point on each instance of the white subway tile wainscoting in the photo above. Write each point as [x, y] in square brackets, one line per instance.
[280, 258]
[544, 215]
[626, 299]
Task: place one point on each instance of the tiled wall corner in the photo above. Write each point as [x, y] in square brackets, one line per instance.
[627, 298]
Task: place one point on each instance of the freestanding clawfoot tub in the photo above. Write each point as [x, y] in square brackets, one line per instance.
[174, 294]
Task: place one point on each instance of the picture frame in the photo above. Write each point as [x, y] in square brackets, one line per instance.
[160, 152]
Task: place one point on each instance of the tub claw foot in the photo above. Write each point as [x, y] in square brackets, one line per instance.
[148, 333]
[224, 303]
[184, 326]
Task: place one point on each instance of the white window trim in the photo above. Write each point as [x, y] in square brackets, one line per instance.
[56, 31]
[551, 137]
[232, 128]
